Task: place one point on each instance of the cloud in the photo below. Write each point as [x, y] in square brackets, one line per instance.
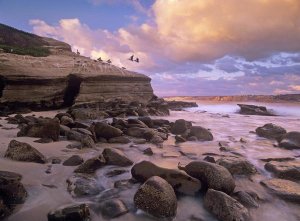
[199, 46]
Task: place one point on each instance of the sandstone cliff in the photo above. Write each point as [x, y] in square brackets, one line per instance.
[64, 78]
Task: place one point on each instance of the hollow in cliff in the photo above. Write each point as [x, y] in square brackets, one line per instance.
[72, 89]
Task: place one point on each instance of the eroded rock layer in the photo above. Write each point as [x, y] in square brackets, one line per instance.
[65, 78]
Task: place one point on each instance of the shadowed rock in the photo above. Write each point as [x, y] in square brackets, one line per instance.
[179, 180]
[42, 128]
[74, 160]
[270, 131]
[116, 157]
[290, 140]
[156, 197]
[113, 208]
[201, 133]
[79, 212]
[224, 207]
[91, 165]
[24, 152]
[106, 131]
[12, 192]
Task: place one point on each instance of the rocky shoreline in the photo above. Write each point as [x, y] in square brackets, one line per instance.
[214, 177]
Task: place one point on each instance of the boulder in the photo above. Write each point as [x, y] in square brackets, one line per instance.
[63, 130]
[201, 133]
[12, 191]
[116, 157]
[156, 197]
[43, 128]
[224, 207]
[180, 126]
[289, 170]
[24, 152]
[270, 131]
[246, 199]
[285, 189]
[80, 186]
[147, 120]
[137, 132]
[106, 131]
[237, 166]
[121, 139]
[65, 120]
[113, 208]
[74, 160]
[211, 175]
[179, 139]
[91, 165]
[137, 122]
[290, 140]
[85, 140]
[179, 180]
[79, 212]
[254, 110]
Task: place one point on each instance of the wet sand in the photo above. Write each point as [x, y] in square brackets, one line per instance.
[229, 128]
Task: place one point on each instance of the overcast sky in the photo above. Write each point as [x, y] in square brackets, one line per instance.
[187, 47]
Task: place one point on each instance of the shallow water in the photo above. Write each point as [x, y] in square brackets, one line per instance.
[224, 128]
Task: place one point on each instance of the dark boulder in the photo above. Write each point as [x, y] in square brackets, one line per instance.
[116, 157]
[74, 160]
[290, 140]
[224, 207]
[12, 192]
[42, 128]
[201, 133]
[91, 165]
[180, 126]
[254, 110]
[113, 208]
[79, 212]
[106, 131]
[270, 131]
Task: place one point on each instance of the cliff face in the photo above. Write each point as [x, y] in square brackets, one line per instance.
[64, 78]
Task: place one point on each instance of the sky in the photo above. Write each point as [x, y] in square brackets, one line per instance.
[187, 47]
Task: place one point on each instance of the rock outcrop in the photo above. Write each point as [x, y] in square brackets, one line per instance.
[254, 110]
[64, 78]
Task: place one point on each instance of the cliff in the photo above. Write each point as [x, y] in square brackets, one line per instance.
[63, 78]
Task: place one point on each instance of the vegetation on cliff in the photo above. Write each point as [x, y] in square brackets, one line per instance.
[19, 42]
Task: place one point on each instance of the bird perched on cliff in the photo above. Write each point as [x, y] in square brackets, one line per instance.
[78, 53]
[99, 59]
[131, 58]
[109, 61]
[137, 60]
